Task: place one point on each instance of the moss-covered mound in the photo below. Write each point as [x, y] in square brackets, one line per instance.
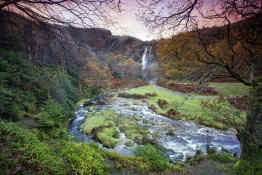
[101, 126]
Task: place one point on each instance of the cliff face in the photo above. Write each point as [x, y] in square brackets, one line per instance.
[102, 41]
[47, 44]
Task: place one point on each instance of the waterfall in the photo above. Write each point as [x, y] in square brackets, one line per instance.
[144, 59]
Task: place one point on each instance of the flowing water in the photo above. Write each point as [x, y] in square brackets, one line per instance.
[144, 59]
[188, 138]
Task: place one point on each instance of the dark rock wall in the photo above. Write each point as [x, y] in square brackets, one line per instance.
[47, 44]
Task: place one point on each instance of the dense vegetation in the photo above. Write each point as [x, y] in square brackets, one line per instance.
[37, 105]
[202, 55]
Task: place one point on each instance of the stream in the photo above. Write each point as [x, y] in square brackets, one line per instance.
[187, 139]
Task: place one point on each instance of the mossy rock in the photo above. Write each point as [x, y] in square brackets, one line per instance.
[129, 143]
[156, 135]
[94, 108]
[108, 137]
[136, 103]
[132, 108]
[171, 132]
[137, 118]
[134, 134]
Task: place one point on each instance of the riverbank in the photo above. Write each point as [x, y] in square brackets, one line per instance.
[210, 111]
[135, 114]
[141, 125]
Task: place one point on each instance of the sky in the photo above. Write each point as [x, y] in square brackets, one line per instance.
[127, 21]
[128, 24]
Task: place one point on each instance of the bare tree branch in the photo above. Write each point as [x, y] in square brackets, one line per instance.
[67, 12]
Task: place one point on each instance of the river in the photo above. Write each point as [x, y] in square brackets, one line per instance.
[187, 140]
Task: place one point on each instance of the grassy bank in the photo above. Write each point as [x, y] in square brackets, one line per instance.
[215, 113]
[230, 89]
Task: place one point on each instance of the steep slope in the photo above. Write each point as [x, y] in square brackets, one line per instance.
[179, 55]
[47, 44]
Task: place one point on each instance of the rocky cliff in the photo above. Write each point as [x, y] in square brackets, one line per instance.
[47, 44]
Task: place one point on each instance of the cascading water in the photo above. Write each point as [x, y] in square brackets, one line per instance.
[144, 59]
[187, 139]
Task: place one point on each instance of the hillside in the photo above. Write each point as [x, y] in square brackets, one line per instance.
[70, 47]
[180, 55]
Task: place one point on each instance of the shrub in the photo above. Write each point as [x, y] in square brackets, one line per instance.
[221, 115]
[24, 149]
[51, 115]
[222, 157]
[155, 157]
[83, 159]
[249, 167]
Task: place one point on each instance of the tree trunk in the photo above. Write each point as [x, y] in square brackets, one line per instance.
[251, 136]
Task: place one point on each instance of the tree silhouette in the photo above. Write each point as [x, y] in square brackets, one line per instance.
[66, 12]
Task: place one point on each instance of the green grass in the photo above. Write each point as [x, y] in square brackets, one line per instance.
[189, 105]
[160, 95]
[98, 120]
[191, 108]
[235, 89]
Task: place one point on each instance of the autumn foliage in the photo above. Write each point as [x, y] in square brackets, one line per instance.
[177, 56]
[114, 71]
[230, 48]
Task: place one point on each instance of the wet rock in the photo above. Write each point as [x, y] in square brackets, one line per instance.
[152, 107]
[100, 100]
[174, 156]
[171, 132]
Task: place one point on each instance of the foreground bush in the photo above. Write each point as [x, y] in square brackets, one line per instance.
[51, 115]
[83, 159]
[155, 157]
[22, 151]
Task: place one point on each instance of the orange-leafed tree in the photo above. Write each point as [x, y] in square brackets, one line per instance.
[96, 75]
[177, 55]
